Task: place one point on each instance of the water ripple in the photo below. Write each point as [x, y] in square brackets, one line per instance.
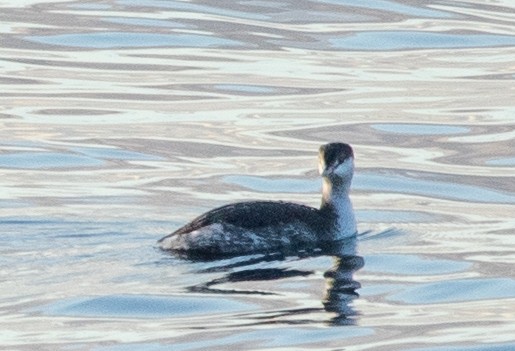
[392, 6]
[416, 40]
[136, 306]
[458, 291]
[372, 182]
[105, 40]
[122, 120]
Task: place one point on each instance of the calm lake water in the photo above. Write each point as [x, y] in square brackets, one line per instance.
[121, 120]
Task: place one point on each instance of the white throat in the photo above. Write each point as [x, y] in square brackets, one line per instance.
[337, 198]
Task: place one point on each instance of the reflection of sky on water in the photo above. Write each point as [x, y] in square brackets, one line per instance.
[268, 185]
[368, 41]
[412, 265]
[246, 88]
[420, 129]
[507, 161]
[115, 154]
[143, 306]
[119, 117]
[145, 22]
[380, 183]
[86, 192]
[106, 40]
[439, 189]
[457, 291]
[192, 7]
[412, 40]
[510, 346]
[392, 6]
[385, 216]
[90, 6]
[74, 158]
[35, 160]
[284, 339]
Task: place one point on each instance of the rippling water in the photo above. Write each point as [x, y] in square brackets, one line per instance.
[121, 120]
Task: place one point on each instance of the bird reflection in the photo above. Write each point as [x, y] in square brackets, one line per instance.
[340, 288]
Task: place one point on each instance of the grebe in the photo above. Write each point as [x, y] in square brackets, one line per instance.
[276, 226]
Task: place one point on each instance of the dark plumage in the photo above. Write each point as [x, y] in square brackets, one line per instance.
[256, 214]
[335, 153]
[271, 226]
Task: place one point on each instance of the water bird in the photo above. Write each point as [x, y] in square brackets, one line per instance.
[276, 226]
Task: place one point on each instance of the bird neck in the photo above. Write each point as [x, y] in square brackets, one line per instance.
[336, 200]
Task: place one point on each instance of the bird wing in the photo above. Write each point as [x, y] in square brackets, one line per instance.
[254, 214]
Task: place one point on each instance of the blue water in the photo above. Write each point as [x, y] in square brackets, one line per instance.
[122, 39]
[421, 129]
[412, 40]
[135, 306]
[394, 7]
[458, 291]
[382, 183]
[121, 121]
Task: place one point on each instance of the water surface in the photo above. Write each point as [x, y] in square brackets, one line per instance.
[122, 120]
